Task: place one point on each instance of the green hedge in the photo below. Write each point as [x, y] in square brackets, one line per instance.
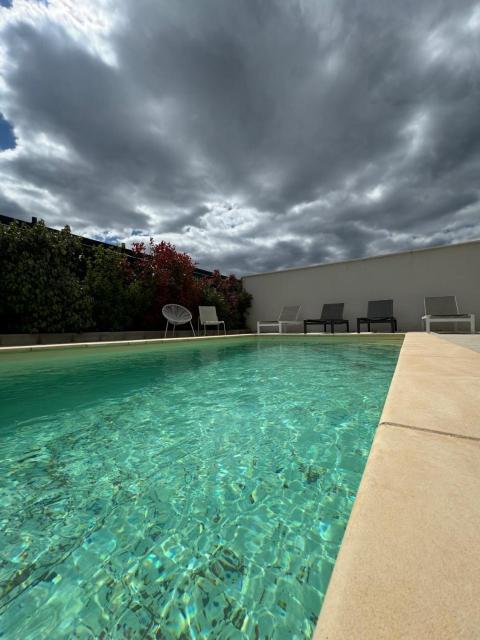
[51, 282]
[41, 284]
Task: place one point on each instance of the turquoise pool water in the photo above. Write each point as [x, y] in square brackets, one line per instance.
[195, 490]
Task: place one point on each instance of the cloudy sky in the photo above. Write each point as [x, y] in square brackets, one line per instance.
[253, 134]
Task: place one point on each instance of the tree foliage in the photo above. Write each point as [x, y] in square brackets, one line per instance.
[162, 275]
[228, 295]
[50, 282]
[40, 281]
[105, 283]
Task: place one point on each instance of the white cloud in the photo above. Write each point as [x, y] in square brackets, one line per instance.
[89, 23]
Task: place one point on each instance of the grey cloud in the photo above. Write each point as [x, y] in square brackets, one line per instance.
[293, 112]
[9, 207]
[182, 222]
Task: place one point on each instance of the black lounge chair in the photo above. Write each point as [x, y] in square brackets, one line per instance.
[332, 314]
[379, 311]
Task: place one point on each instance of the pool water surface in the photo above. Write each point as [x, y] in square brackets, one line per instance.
[187, 490]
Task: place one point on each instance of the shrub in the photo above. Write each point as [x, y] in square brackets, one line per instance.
[106, 284]
[40, 280]
[161, 276]
[228, 295]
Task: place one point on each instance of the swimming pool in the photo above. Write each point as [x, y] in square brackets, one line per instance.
[181, 490]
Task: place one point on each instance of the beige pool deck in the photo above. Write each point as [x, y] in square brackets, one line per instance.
[409, 564]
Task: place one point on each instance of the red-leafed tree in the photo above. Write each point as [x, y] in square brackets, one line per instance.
[159, 276]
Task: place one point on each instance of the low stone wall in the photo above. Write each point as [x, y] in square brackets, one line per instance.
[30, 339]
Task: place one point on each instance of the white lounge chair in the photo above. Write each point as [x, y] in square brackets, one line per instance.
[445, 309]
[176, 314]
[288, 315]
[207, 317]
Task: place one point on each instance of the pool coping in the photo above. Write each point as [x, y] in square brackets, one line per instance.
[408, 564]
[119, 343]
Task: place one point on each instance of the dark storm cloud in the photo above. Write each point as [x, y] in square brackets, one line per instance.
[255, 135]
[10, 208]
[185, 220]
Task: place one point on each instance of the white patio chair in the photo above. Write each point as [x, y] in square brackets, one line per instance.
[445, 309]
[207, 317]
[175, 314]
[288, 315]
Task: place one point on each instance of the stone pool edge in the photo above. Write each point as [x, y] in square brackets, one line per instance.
[408, 563]
[118, 343]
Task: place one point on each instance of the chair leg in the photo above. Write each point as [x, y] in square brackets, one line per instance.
[193, 330]
[166, 329]
[348, 326]
[368, 327]
[332, 326]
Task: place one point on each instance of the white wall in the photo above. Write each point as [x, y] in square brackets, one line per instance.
[405, 277]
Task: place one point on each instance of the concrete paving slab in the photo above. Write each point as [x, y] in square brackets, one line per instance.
[409, 564]
[471, 341]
